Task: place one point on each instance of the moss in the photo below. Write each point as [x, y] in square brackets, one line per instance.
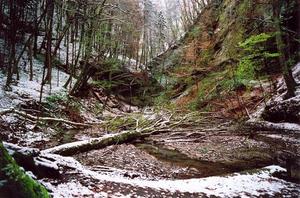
[119, 123]
[207, 89]
[195, 32]
[17, 182]
[40, 58]
[206, 56]
[244, 8]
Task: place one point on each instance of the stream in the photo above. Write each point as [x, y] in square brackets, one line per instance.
[197, 168]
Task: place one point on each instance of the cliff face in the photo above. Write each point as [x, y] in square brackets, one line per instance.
[201, 69]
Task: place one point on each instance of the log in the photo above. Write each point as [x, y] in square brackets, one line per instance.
[156, 127]
[283, 111]
[94, 143]
[265, 125]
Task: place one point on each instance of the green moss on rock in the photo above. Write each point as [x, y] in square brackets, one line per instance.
[15, 181]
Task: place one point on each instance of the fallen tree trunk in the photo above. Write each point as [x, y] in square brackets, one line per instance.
[283, 111]
[44, 119]
[94, 143]
[265, 125]
[155, 127]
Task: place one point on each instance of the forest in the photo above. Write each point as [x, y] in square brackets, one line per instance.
[149, 98]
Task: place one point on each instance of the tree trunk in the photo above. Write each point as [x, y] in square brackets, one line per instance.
[95, 143]
[12, 42]
[48, 55]
[30, 56]
[287, 73]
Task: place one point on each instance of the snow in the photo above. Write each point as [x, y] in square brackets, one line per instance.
[296, 72]
[26, 90]
[31, 137]
[45, 163]
[279, 97]
[239, 184]
[24, 150]
[79, 143]
[71, 189]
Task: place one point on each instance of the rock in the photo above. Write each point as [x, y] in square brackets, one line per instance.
[292, 163]
[293, 168]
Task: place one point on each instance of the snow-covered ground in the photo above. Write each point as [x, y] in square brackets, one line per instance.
[258, 183]
[279, 97]
[23, 89]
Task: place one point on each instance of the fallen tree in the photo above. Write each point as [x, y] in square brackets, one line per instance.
[283, 111]
[154, 127]
[94, 143]
[44, 119]
[265, 125]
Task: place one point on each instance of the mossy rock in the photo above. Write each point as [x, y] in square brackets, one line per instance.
[15, 181]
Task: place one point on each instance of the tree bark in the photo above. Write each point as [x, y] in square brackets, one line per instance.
[287, 73]
[95, 143]
[48, 55]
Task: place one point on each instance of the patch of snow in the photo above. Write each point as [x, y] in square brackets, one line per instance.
[242, 185]
[245, 184]
[24, 90]
[71, 189]
[45, 163]
[30, 174]
[296, 72]
[279, 97]
[9, 119]
[63, 161]
[30, 137]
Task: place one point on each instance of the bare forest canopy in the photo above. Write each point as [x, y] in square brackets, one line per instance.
[73, 33]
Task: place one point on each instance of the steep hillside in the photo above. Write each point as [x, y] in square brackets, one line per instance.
[210, 68]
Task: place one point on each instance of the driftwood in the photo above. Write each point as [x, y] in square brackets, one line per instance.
[44, 119]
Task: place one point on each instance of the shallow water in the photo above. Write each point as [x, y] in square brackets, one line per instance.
[197, 168]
